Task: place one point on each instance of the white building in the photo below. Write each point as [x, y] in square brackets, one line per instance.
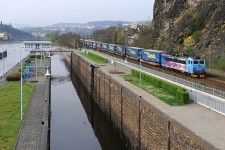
[41, 47]
[3, 36]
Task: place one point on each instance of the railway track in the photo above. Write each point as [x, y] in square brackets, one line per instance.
[210, 80]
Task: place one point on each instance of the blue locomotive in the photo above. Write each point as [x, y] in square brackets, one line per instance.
[189, 65]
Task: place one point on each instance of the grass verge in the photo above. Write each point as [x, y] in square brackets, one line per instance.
[10, 122]
[158, 92]
[94, 57]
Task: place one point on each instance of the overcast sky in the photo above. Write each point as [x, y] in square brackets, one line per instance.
[48, 12]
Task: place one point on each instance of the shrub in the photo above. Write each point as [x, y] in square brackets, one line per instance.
[135, 72]
[160, 43]
[97, 57]
[189, 41]
[181, 95]
[171, 88]
[196, 25]
[29, 60]
[198, 21]
[14, 76]
[34, 57]
[220, 64]
[197, 36]
[24, 68]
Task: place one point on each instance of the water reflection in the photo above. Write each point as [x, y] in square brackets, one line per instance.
[77, 122]
[107, 136]
[70, 128]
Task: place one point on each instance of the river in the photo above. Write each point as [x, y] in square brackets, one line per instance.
[13, 55]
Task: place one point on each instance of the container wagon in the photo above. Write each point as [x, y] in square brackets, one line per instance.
[152, 56]
[133, 52]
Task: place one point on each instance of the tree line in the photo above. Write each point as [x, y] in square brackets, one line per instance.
[70, 39]
[125, 36]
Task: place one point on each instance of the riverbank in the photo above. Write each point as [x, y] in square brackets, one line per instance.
[34, 133]
[10, 107]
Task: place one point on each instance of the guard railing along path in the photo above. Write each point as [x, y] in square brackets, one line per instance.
[203, 95]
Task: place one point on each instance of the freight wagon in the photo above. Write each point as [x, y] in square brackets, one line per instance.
[94, 44]
[133, 52]
[152, 56]
[99, 45]
[111, 48]
[120, 50]
[104, 46]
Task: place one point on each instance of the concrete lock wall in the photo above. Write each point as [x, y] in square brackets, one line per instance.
[83, 70]
[141, 125]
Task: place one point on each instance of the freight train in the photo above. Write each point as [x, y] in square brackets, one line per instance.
[194, 66]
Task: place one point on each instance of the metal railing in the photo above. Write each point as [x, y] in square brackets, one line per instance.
[214, 100]
[211, 102]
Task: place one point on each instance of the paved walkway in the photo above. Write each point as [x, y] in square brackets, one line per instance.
[205, 123]
[34, 131]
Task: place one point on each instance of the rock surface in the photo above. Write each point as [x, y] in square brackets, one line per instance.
[193, 26]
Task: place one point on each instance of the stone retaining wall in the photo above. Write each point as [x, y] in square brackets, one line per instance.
[141, 125]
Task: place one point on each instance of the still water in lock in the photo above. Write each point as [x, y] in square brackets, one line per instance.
[76, 121]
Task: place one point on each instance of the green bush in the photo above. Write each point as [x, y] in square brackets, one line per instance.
[197, 35]
[14, 76]
[34, 57]
[198, 21]
[135, 72]
[24, 68]
[95, 57]
[181, 95]
[29, 60]
[169, 87]
[196, 25]
[220, 64]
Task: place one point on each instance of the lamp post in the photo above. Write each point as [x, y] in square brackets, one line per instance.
[125, 37]
[83, 42]
[115, 38]
[125, 61]
[125, 43]
[36, 64]
[140, 72]
[21, 87]
[209, 58]
[41, 57]
[2, 65]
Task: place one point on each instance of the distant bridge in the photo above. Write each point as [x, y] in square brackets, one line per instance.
[61, 51]
[37, 50]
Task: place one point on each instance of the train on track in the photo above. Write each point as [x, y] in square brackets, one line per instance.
[194, 66]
